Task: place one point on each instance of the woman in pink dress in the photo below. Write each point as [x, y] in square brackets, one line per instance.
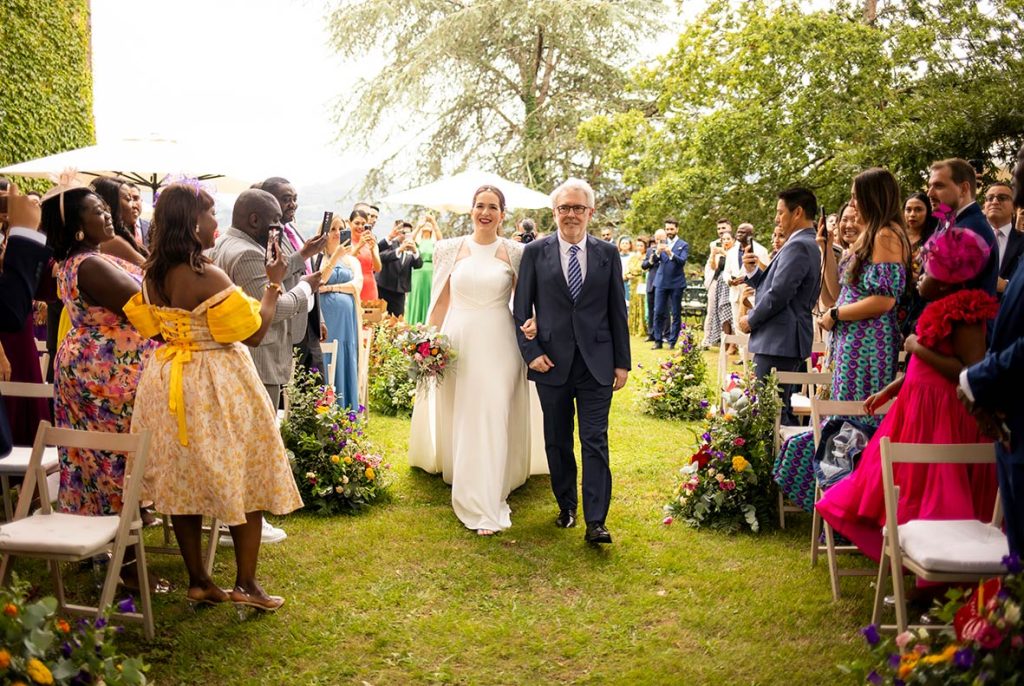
[950, 335]
[365, 249]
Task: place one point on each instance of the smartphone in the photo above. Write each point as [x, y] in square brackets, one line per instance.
[273, 244]
[345, 236]
[325, 225]
[822, 221]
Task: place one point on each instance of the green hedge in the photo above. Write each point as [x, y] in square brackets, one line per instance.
[45, 78]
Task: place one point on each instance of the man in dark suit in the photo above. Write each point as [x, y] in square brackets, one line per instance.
[780, 325]
[670, 282]
[988, 390]
[999, 211]
[650, 264]
[23, 256]
[953, 182]
[571, 284]
[398, 257]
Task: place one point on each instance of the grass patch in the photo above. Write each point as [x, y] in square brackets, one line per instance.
[403, 594]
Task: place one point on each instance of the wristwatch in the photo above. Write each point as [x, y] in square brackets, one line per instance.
[834, 313]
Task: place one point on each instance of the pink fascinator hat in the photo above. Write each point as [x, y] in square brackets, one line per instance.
[955, 255]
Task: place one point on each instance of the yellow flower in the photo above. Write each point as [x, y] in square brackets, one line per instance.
[729, 416]
[945, 656]
[5, 658]
[369, 473]
[739, 463]
[335, 459]
[323, 409]
[348, 460]
[711, 415]
[38, 672]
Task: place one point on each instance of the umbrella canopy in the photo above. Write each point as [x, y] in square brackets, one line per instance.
[455, 193]
[146, 161]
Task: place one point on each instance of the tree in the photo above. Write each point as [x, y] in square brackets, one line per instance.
[759, 96]
[46, 89]
[502, 83]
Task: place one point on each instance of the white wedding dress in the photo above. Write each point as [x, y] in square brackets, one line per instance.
[474, 425]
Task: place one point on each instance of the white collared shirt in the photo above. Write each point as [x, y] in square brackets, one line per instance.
[1002, 240]
[581, 256]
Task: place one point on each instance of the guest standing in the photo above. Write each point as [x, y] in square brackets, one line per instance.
[216, 449]
[650, 265]
[364, 247]
[426, 235]
[339, 301]
[917, 212]
[671, 282]
[399, 256]
[637, 305]
[118, 197]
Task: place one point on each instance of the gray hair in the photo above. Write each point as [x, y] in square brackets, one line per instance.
[573, 184]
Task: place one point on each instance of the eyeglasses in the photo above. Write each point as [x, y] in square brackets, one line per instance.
[1002, 197]
[578, 210]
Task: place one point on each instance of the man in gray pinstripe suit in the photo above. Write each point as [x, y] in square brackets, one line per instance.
[242, 254]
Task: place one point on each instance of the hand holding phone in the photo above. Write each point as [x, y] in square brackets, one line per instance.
[273, 244]
[325, 225]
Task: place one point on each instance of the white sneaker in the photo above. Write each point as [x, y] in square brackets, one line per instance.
[270, 534]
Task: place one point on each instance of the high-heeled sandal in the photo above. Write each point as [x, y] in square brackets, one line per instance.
[243, 599]
[207, 597]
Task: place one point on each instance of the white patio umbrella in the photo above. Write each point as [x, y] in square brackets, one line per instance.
[146, 161]
[455, 193]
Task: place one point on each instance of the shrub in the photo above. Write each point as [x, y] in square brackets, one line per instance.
[675, 389]
[391, 390]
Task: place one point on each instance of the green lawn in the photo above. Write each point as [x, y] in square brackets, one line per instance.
[404, 595]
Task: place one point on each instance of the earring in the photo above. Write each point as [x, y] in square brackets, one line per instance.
[79, 236]
[197, 229]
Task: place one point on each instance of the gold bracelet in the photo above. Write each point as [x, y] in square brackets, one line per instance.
[276, 287]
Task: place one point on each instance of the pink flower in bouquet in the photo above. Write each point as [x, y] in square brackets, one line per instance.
[667, 520]
[988, 637]
[418, 357]
[903, 639]
[424, 349]
[728, 485]
[739, 441]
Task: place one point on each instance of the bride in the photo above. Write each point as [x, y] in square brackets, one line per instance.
[474, 425]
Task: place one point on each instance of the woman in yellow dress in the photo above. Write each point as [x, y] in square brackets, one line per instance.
[216, 448]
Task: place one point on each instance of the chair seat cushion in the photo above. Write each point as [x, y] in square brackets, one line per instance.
[956, 545]
[800, 402]
[787, 432]
[58, 533]
[16, 463]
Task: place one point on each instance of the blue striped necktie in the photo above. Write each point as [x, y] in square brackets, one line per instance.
[575, 273]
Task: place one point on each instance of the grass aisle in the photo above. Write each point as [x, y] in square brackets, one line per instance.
[404, 595]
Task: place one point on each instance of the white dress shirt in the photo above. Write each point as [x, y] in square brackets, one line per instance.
[581, 256]
[1002, 240]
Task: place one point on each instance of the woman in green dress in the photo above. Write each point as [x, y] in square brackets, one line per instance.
[426, 234]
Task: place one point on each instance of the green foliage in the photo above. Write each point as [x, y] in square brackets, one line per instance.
[37, 647]
[332, 460]
[46, 96]
[392, 392]
[501, 83]
[676, 388]
[758, 96]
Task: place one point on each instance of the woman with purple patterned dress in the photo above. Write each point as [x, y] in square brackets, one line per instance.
[863, 290]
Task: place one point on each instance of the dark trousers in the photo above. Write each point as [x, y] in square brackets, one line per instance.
[582, 393]
[763, 365]
[1011, 489]
[650, 312]
[310, 355]
[667, 304]
[394, 299]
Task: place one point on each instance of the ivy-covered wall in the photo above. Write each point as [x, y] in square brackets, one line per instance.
[45, 78]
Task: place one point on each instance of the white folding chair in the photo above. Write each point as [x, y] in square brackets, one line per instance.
[800, 402]
[781, 435]
[819, 410]
[942, 551]
[740, 340]
[365, 345]
[44, 357]
[16, 462]
[331, 348]
[60, 537]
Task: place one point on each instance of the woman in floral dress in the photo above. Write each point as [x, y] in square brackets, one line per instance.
[99, 363]
[866, 339]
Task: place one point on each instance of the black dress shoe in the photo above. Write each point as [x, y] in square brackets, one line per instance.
[656, 346]
[597, 534]
[566, 519]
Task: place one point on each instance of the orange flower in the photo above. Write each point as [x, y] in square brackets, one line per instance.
[907, 664]
[11, 610]
[63, 626]
[5, 658]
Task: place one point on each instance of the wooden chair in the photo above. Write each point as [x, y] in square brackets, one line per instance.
[16, 462]
[60, 537]
[819, 410]
[365, 344]
[942, 551]
[740, 340]
[331, 348]
[809, 382]
[44, 357]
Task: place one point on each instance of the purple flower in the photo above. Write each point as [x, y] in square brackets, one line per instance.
[706, 437]
[703, 405]
[351, 416]
[1012, 563]
[362, 408]
[66, 649]
[894, 660]
[870, 633]
[899, 682]
[100, 622]
[874, 677]
[964, 658]
[126, 605]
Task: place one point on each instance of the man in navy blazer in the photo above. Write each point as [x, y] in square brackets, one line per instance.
[999, 210]
[990, 389]
[780, 325]
[571, 284]
[953, 182]
[669, 284]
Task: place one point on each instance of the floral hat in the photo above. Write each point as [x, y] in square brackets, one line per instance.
[953, 254]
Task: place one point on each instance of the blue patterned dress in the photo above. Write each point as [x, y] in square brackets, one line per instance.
[863, 356]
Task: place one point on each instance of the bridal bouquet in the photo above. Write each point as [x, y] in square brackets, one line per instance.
[430, 352]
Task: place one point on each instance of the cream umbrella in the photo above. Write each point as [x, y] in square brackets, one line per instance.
[455, 193]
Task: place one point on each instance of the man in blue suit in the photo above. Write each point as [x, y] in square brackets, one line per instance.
[990, 389]
[780, 325]
[571, 284]
[953, 182]
[669, 284]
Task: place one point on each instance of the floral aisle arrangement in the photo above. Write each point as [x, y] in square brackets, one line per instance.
[332, 459]
[38, 647]
[727, 483]
[675, 389]
[391, 390]
[428, 351]
[984, 645]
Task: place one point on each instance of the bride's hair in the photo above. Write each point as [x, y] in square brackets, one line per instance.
[491, 189]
